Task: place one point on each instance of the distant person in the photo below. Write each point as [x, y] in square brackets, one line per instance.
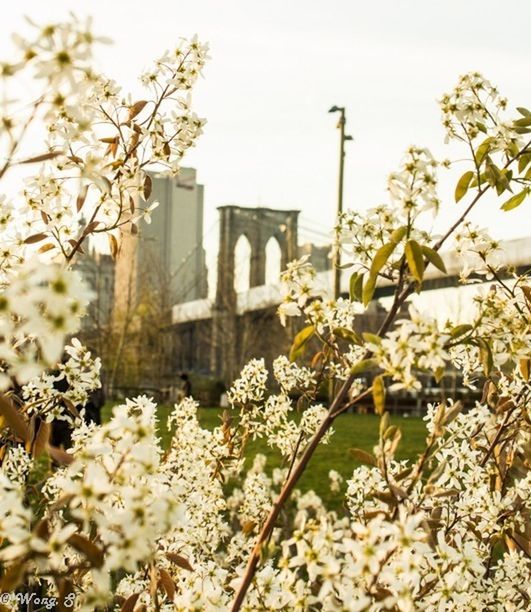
[61, 435]
[93, 407]
[186, 385]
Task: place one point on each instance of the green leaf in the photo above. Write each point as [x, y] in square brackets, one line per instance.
[516, 200]
[372, 338]
[368, 290]
[450, 415]
[398, 234]
[378, 394]
[485, 355]
[493, 173]
[463, 184]
[390, 432]
[384, 424]
[438, 374]
[362, 456]
[382, 255]
[415, 259]
[434, 258]
[380, 258]
[524, 122]
[348, 334]
[363, 366]
[503, 181]
[460, 330]
[523, 161]
[355, 287]
[523, 111]
[300, 340]
[483, 150]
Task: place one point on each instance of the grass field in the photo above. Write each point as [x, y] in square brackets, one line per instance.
[351, 430]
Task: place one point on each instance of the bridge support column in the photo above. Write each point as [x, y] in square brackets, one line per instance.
[258, 225]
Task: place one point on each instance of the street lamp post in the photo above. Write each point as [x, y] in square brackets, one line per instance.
[342, 138]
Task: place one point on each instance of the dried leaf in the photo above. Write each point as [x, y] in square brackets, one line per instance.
[130, 603]
[35, 238]
[136, 108]
[453, 412]
[70, 407]
[91, 226]
[42, 438]
[148, 186]
[180, 561]
[13, 418]
[62, 502]
[113, 245]
[248, 527]
[81, 199]
[82, 544]
[167, 583]
[12, 577]
[60, 456]
[109, 139]
[524, 368]
[41, 158]
[362, 456]
[65, 587]
[42, 529]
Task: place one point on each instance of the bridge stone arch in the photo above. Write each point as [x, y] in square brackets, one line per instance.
[258, 225]
[273, 256]
[242, 263]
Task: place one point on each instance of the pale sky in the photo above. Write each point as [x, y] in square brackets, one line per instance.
[278, 66]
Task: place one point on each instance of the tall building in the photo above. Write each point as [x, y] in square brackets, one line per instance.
[97, 270]
[166, 258]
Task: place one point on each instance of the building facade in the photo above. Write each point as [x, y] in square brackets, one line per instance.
[164, 260]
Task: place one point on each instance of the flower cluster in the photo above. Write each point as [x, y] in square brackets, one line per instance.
[416, 344]
[100, 147]
[298, 284]
[473, 107]
[70, 385]
[39, 307]
[477, 251]
[414, 188]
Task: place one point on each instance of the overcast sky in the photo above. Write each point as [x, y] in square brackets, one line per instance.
[277, 67]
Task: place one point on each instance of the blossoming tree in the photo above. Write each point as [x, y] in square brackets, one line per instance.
[118, 522]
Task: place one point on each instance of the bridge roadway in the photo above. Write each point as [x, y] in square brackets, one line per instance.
[515, 253]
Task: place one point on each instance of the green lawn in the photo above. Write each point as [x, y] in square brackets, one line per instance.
[351, 430]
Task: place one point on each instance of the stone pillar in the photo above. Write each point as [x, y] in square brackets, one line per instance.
[258, 224]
